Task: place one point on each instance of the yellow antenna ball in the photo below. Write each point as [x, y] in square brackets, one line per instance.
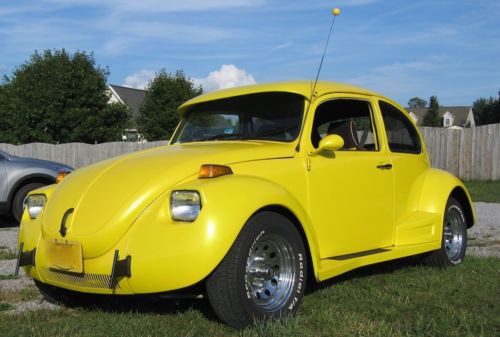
[336, 11]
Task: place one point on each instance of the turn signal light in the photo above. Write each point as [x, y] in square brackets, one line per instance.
[213, 171]
[61, 175]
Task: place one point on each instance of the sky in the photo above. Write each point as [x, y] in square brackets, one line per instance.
[401, 49]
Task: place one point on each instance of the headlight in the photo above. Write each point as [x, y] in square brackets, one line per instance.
[185, 205]
[35, 203]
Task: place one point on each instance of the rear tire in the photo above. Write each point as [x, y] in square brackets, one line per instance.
[454, 239]
[17, 202]
[263, 275]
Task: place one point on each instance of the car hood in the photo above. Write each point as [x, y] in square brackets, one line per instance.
[103, 200]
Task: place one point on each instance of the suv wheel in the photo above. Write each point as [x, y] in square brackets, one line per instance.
[17, 202]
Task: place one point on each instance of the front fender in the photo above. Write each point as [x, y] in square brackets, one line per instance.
[21, 178]
[169, 255]
[30, 230]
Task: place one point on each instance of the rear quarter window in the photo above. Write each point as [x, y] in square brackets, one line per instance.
[401, 133]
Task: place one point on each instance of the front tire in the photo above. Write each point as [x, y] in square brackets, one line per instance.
[454, 240]
[263, 275]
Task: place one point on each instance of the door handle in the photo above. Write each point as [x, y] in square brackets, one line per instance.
[384, 166]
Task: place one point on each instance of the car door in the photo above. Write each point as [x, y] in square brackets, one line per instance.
[350, 190]
[408, 157]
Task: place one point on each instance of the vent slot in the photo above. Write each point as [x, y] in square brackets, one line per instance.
[96, 281]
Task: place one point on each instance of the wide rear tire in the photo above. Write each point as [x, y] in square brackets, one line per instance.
[263, 275]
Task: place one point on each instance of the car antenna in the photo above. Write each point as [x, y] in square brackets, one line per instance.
[335, 12]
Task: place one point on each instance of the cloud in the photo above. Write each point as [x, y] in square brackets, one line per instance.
[405, 79]
[227, 76]
[355, 3]
[165, 6]
[3, 68]
[282, 46]
[175, 31]
[139, 80]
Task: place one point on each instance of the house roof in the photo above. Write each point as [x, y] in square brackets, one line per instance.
[133, 98]
[459, 113]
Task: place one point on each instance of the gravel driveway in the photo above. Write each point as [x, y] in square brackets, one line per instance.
[483, 240]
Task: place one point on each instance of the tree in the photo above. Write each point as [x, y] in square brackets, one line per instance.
[417, 102]
[59, 97]
[432, 118]
[6, 117]
[158, 113]
[486, 111]
[107, 125]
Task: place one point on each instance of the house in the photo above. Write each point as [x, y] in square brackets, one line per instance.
[133, 98]
[452, 116]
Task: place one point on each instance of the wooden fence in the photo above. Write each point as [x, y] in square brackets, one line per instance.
[76, 154]
[472, 153]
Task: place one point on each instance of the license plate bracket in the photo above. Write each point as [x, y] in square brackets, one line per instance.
[64, 255]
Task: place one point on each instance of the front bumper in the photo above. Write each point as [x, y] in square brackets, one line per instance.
[120, 269]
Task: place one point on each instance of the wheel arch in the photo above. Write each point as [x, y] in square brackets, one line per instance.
[286, 212]
[461, 196]
[31, 178]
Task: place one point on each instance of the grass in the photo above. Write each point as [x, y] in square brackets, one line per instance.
[390, 299]
[5, 306]
[25, 294]
[7, 254]
[8, 277]
[487, 191]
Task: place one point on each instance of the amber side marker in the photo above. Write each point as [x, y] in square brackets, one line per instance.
[61, 175]
[213, 171]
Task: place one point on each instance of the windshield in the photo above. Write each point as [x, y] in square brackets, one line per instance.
[275, 116]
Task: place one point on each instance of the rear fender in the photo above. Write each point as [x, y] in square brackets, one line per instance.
[438, 187]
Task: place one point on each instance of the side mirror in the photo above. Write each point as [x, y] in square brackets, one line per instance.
[329, 143]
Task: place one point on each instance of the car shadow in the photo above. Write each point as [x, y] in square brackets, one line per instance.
[387, 267]
[145, 304]
[7, 221]
[149, 304]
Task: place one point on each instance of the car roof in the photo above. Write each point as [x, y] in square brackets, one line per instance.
[302, 88]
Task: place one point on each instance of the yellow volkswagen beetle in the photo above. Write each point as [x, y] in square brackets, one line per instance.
[260, 188]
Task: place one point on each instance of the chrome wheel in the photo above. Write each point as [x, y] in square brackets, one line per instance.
[270, 272]
[453, 233]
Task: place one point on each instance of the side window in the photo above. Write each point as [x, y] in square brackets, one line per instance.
[348, 118]
[401, 133]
